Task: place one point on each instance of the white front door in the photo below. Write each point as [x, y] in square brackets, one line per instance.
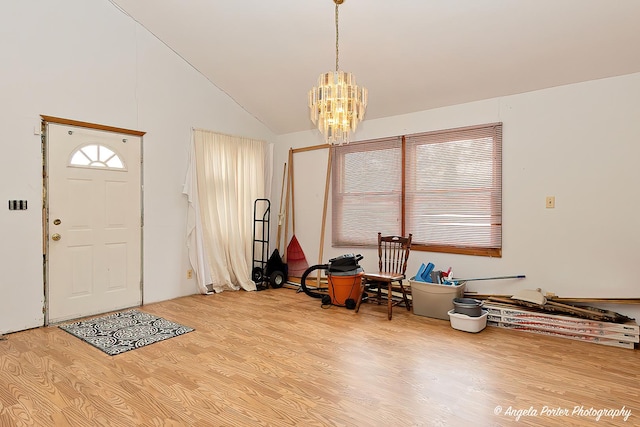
[93, 222]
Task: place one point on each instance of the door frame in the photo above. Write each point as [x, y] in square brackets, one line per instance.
[46, 120]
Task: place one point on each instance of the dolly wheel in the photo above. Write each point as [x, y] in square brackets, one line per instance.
[276, 279]
[256, 274]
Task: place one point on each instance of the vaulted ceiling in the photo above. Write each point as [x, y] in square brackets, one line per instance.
[412, 55]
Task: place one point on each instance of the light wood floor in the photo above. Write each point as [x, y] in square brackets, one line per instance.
[276, 358]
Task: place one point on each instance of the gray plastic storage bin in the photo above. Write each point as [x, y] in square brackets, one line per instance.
[433, 300]
[469, 306]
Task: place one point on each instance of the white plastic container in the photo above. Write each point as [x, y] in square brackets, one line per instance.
[462, 322]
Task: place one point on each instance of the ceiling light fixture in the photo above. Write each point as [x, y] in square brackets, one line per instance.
[337, 105]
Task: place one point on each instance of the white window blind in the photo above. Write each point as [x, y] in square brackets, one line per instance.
[444, 187]
[366, 191]
[453, 190]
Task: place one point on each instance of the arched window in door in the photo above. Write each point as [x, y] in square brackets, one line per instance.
[96, 156]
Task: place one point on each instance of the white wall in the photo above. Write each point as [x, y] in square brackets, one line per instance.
[87, 61]
[579, 143]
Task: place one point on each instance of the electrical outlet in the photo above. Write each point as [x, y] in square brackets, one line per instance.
[551, 202]
[189, 274]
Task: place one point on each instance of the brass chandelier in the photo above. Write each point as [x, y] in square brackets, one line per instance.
[337, 104]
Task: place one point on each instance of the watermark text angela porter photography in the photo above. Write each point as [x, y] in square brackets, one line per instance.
[577, 411]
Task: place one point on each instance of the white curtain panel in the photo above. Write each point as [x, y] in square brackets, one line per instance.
[226, 175]
[195, 236]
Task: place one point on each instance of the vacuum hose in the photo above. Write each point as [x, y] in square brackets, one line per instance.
[303, 279]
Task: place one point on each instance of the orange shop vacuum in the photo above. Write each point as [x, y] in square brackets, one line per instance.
[344, 278]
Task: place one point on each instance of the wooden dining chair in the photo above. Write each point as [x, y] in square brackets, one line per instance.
[393, 252]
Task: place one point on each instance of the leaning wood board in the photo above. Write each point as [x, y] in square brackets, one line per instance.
[586, 312]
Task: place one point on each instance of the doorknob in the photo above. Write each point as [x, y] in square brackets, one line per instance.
[56, 237]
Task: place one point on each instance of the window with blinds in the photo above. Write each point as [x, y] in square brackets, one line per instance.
[366, 191]
[444, 187]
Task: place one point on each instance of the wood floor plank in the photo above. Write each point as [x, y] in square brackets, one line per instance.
[276, 358]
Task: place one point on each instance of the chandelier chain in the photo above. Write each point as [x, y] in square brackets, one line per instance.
[337, 50]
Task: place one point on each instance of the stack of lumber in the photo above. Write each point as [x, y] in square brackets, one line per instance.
[504, 314]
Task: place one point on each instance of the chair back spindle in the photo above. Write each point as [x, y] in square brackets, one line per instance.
[393, 253]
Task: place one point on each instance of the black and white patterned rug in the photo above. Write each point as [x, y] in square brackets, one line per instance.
[124, 331]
